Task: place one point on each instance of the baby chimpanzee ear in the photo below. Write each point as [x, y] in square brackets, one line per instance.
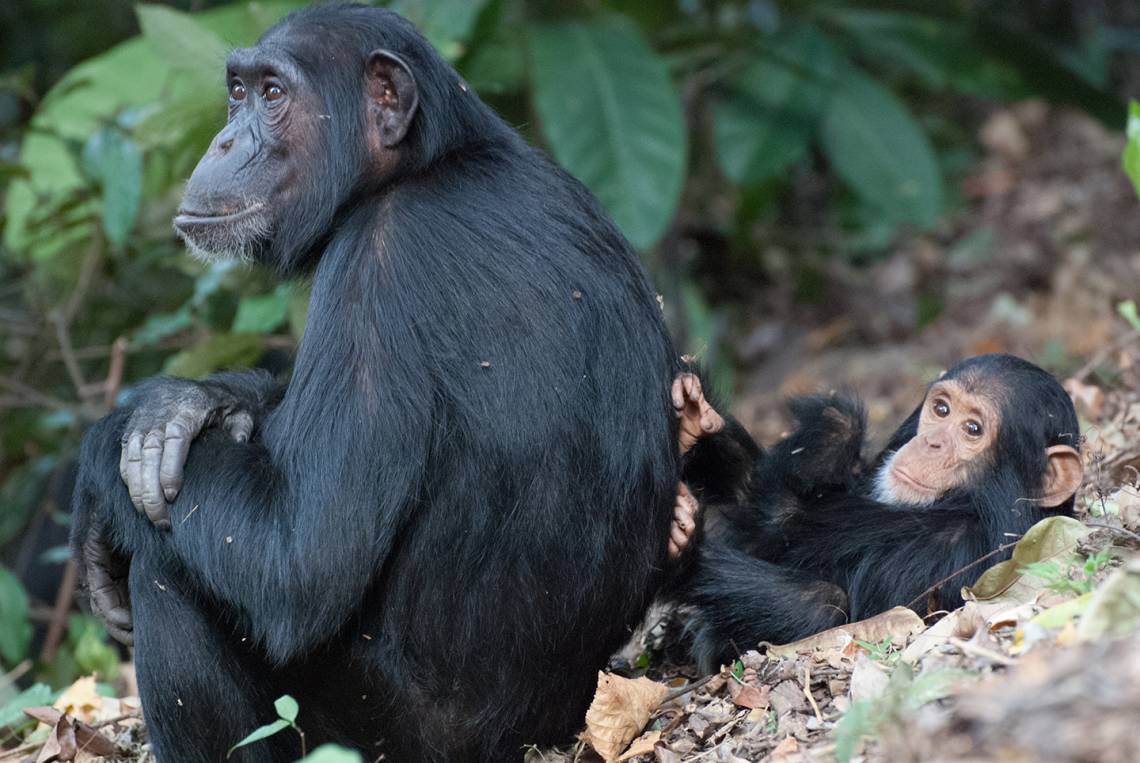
[1062, 476]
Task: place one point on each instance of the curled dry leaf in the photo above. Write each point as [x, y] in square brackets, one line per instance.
[643, 745]
[897, 624]
[619, 712]
[65, 730]
[749, 696]
[1088, 399]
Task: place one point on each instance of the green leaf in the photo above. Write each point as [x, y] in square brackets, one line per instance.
[1131, 157]
[331, 753]
[160, 326]
[1050, 540]
[287, 708]
[15, 630]
[262, 733]
[877, 148]
[114, 161]
[299, 310]
[1127, 310]
[262, 314]
[767, 115]
[447, 24]
[849, 732]
[181, 41]
[12, 710]
[217, 352]
[612, 117]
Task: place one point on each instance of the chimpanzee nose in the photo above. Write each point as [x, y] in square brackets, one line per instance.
[226, 145]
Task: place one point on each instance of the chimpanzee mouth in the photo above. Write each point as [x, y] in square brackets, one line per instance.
[186, 217]
[911, 482]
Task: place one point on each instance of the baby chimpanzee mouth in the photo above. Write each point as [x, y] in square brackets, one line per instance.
[911, 482]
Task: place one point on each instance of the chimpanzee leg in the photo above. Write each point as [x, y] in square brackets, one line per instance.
[202, 686]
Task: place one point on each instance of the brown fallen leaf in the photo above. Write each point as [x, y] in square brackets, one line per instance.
[619, 712]
[1088, 399]
[643, 745]
[787, 747]
[897, 624]
[60, 744]
[86, 738]
[749, 696]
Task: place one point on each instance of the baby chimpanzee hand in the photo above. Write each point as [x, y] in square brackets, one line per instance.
[697, 417]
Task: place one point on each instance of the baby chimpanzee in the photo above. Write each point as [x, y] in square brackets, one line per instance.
[812, 537]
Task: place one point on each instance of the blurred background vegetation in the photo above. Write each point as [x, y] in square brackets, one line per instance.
[747, 148]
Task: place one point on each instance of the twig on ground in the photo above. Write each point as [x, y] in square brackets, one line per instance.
[808, 694]
[63, 601]
[1118, 530]
[978, 651]
[959, 571]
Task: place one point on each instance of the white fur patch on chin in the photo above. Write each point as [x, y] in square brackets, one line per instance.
[886, 489]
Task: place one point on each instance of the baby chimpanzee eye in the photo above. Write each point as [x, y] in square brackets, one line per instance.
[973, 428]
[237, 91]
[941, 409]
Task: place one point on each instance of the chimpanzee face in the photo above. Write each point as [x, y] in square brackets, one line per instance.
[295, 146]
[955, 446]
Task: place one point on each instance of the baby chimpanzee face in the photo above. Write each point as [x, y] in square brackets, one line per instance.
[956, 431]
[956, 445]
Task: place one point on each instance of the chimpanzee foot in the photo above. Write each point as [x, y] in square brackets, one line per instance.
[697, 417]
[685, 510]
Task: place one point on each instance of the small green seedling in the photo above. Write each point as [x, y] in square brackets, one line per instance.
[1075, 579]
[287, 709]
[883, 651]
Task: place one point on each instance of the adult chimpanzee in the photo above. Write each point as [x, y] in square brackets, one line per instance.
[434, 536]
[812, 538]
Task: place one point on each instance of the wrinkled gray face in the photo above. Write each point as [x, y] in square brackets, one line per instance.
[248, 174]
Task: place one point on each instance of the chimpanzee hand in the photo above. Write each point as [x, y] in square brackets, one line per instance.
[694, 414]
[105, 575]
[169, 415]
[824, 450]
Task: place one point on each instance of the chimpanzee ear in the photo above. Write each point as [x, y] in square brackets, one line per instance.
[1063, 475]
[392, 96]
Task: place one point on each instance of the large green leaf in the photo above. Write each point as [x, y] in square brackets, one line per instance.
[182, 41]
[940, 52]
[264, 312]
[114, 161]
[216, 353]
[447, 24]
[766, 116]
[612, 117]
[15, 630]
[880, 151]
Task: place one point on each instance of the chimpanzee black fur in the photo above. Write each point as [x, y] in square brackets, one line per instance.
[809, 548]
[460, 505]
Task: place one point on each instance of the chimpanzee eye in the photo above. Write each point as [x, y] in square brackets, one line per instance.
[973, 428]
[274, 92]
[237, 91]
[941, 409]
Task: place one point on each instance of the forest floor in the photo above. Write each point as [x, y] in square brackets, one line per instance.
[1038, 666]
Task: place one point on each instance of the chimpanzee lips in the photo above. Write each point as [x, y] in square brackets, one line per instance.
[186, 217]
[911, 482]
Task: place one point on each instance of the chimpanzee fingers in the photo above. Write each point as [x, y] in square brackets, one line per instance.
[133, 477]
[153, 501]
[175, 449]
[239, 425]
[692, 384]
[677, 392]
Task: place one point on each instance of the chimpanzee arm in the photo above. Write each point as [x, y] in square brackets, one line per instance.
[824, 448]
[719, 467]
[886, 556]
[290, 528]
[739, 601]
